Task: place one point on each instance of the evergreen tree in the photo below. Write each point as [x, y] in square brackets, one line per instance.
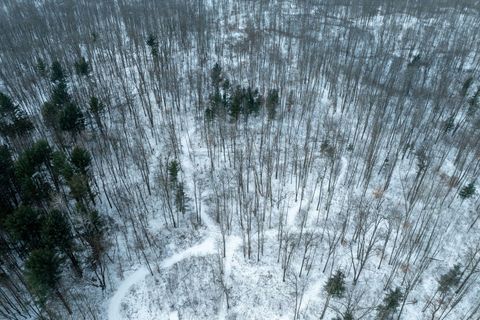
[173, 169]
[390, 304]
[60, 165]
[60, 96]
[52, 110]
[41, 67]
[152, 42]
[56, 72]
[8, 183]
[56, 233]
[473, 104]
[29, 162]
[13, 121]
[348, 316]
[216, 102]
[253, 101]
[24, 226]
[450, 279]
[82, 67]
[80, 159]
[467, 191]
[50, 114]
[335, 288]
[216, 77]
[42, 271]
[415, 61]
[94, 36]
[209, 114]
[79, 188]
[96, 108]
[271, 103]
[237, 103]
[41, 153]
[71, 119]
[335, 285]
[30, 173]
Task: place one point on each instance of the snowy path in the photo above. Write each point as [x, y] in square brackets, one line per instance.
[114, 306]
[204, 248]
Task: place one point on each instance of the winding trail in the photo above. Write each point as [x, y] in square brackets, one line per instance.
[204, 248]
[114, 306]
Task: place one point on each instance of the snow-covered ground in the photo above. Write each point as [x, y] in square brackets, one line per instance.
[318, 172]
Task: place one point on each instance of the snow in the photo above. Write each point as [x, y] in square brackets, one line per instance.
[174, 316]
[116, 301]
[186, 260]
[233, 242]
[312, 294]
[204, 248]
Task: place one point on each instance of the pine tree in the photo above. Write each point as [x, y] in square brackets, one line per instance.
[56, 72]
[71, 119]
[24, 226]
[271, 103]
[390, 304]
[335, 285]
[173, 169]
[81, 159]
[152, 42]
[79, 188]
[60, 96]
[237, 103]
[14, 122]
[216, 101]
[41, 153]
[467, 191]
[96, 108]
[30, 173]
[253, 101]
[52, 110]
[450, 279]
[41, 67]
[216, 77]
[56, 233]
[335, 288]
[82, 67]
[8, 183]
[60, 165]
[42, 271]
[50, 114]
[348, 316]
